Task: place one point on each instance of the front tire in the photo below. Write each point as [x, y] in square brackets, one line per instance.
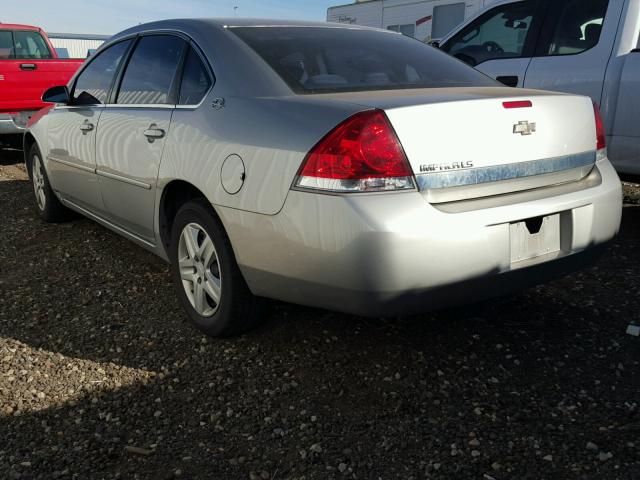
[205, 273]
[47, 204]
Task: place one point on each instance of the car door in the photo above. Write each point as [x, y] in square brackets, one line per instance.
[501, 41]
[575, 47]
[71, 134]
[133, 129]
[23, 71]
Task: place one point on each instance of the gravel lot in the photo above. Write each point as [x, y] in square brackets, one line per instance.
[101, 376]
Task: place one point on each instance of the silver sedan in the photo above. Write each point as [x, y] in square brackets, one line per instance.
[328, 165]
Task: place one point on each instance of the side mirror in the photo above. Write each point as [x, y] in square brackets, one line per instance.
[59, 94]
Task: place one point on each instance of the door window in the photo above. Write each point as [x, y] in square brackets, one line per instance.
[30, 45]
[579, 26]
[500, 33]
[93, 85]
[6, 45]
[150, 75]
[195, 80]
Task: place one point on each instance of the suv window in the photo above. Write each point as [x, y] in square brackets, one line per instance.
[30, 45]
[94, 82]
[6, 44]
[195, 80]
[579, 26]
[150, 74]
[322, 59]
[499, 33]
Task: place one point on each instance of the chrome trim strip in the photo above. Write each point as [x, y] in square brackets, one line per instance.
[153, 106]
[71, 164]
[62, 106]
[466, 192]
[120, 178]
[107, 223]
[496, 173]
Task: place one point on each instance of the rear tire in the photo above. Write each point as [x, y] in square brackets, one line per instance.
[46, 202]
[205, 273]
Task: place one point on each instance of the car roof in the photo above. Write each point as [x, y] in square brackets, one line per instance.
[17, 26]
[224, 23]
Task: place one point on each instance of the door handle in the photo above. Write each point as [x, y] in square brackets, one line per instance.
[28, 66]
[153, 133]
[508, 80]
[86, 127]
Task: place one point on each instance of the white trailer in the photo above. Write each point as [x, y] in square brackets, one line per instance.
[425, 20]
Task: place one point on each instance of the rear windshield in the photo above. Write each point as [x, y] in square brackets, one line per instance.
[332, 59]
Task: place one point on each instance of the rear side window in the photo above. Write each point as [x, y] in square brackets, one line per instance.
[195, 80]
[6, 45]
[330, 59]
[30, 45]
[579, 26]
[93, 84]
[151, 71]
[499, 33]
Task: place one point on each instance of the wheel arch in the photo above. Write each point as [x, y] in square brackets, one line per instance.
[175, 194]
[27, 142]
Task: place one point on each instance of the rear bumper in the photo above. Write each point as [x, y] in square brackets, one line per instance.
[11, 124]
[391, 254]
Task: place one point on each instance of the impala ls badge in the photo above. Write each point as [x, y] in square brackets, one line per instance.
[524, 128]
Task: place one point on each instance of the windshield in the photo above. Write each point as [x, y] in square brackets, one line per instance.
[334, 59]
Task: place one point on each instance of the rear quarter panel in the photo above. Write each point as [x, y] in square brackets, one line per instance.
[272, 136]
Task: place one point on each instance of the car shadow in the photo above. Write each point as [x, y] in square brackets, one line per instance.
[9, 156]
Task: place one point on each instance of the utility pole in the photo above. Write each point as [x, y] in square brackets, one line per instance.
[235, 11]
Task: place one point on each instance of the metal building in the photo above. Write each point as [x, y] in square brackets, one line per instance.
[423, 19]
[74, 45]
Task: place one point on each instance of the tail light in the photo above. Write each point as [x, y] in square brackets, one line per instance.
[362, 154]
[601, 137]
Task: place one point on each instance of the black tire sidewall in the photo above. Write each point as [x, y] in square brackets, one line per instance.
[50, 197]
[234, 291]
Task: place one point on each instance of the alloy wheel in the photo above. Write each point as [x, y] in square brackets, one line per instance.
[200, 269]
[38, 183]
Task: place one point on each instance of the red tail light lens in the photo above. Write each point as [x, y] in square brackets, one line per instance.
[361, 154]
[601, 142]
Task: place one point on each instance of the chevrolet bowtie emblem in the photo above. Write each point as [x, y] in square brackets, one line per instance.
[524, 128]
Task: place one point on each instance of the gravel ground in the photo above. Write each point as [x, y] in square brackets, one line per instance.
[102, 377]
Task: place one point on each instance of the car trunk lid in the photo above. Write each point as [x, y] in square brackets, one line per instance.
[476, 142]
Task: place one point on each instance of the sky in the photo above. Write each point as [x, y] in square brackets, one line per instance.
[106, 17]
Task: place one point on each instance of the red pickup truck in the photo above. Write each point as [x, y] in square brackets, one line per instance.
[28, 66]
